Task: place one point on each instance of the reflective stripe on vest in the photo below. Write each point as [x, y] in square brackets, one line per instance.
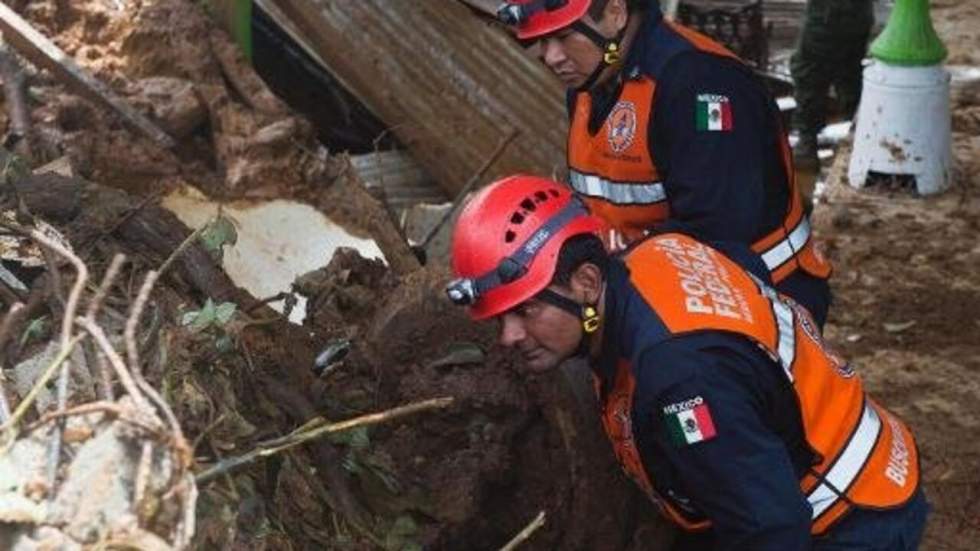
[618, 193]
[848, 464]
[783, 251]
[787, 336]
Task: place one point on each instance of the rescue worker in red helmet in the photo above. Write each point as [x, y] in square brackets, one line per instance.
[720, 398]
[670, 130]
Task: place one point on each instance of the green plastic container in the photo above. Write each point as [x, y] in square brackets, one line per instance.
[235, 16]
[909, 38]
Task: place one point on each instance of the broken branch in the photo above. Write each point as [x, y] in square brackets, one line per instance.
[305, 434]
[469, 186]
[524, 534]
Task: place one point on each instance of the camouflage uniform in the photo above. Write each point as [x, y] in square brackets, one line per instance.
[831, 47]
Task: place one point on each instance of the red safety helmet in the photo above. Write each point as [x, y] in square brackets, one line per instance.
[534, 18]
[507, 239]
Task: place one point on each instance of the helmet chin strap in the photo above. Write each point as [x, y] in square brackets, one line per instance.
[611, 50]
[584, 312]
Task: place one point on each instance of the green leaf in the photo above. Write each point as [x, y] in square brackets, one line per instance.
[220, 232]
[205, 317]
[401, 533]
[224, 312]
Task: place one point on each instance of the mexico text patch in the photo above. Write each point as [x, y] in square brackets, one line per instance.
[689, 422]
[713, 113]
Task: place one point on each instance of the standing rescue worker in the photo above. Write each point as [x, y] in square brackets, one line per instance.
[671, 130]
[719, 396]
[831, 47]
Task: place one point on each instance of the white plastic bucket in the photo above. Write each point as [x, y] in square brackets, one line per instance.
[903, 126]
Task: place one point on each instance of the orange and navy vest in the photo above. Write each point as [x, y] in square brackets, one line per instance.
[864, 455]
[615, 172]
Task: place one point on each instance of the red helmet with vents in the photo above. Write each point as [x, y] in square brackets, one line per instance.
[507, 239]
[534, 18]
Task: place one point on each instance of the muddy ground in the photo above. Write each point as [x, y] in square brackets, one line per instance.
[907, 297]
[906, 285]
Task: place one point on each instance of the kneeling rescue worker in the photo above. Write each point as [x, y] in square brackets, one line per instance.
[670, 130]
[718, 395]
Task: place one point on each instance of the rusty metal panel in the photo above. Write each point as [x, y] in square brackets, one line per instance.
[450, 86]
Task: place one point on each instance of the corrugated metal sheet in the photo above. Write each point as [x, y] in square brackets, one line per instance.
[404, 181]
[450, 86]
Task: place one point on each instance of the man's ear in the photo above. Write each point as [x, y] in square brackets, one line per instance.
[586, 283]
[614, 17]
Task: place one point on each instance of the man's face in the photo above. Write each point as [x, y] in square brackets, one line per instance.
[544, 334]
[570, 55]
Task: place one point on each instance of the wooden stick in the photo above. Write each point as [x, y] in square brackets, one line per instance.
[469, 186]
[305, 434]
[15, 93]
[524, 534]
[41, 51]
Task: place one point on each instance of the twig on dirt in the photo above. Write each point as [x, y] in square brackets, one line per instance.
[105, 376]
[207, 430]
[524, 534]
[4, 331]
[469, 186]
[110, 408]
[129, 334]
[40, 384]
[143, 473]
[185, 529]
[94, 305]
[110, 275]
[71, 306]
[187, 242]
[115, 360]
[137, 372]
[305, 434]
[67, 324]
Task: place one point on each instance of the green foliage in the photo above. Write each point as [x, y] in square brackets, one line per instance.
[220, 232]
[401, 535]
[37, 329]
[211, 315]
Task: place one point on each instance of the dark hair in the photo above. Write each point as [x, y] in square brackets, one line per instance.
[596, 7]
[577, 251]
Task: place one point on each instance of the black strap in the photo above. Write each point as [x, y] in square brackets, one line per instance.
[561, 301]
[603, 44]
[515, 265]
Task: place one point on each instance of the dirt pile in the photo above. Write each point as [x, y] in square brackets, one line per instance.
[168, 59]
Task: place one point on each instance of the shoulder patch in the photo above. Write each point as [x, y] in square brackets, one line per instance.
[689, 421]
[713, 113]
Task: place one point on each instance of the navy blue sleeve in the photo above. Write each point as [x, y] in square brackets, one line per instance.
[735, 469]
[720, 183]
[744, 256]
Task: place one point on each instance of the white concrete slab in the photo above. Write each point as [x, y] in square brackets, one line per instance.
[277, 241]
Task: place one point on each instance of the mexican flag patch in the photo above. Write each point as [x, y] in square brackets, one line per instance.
[713, 113]
[689, 422]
